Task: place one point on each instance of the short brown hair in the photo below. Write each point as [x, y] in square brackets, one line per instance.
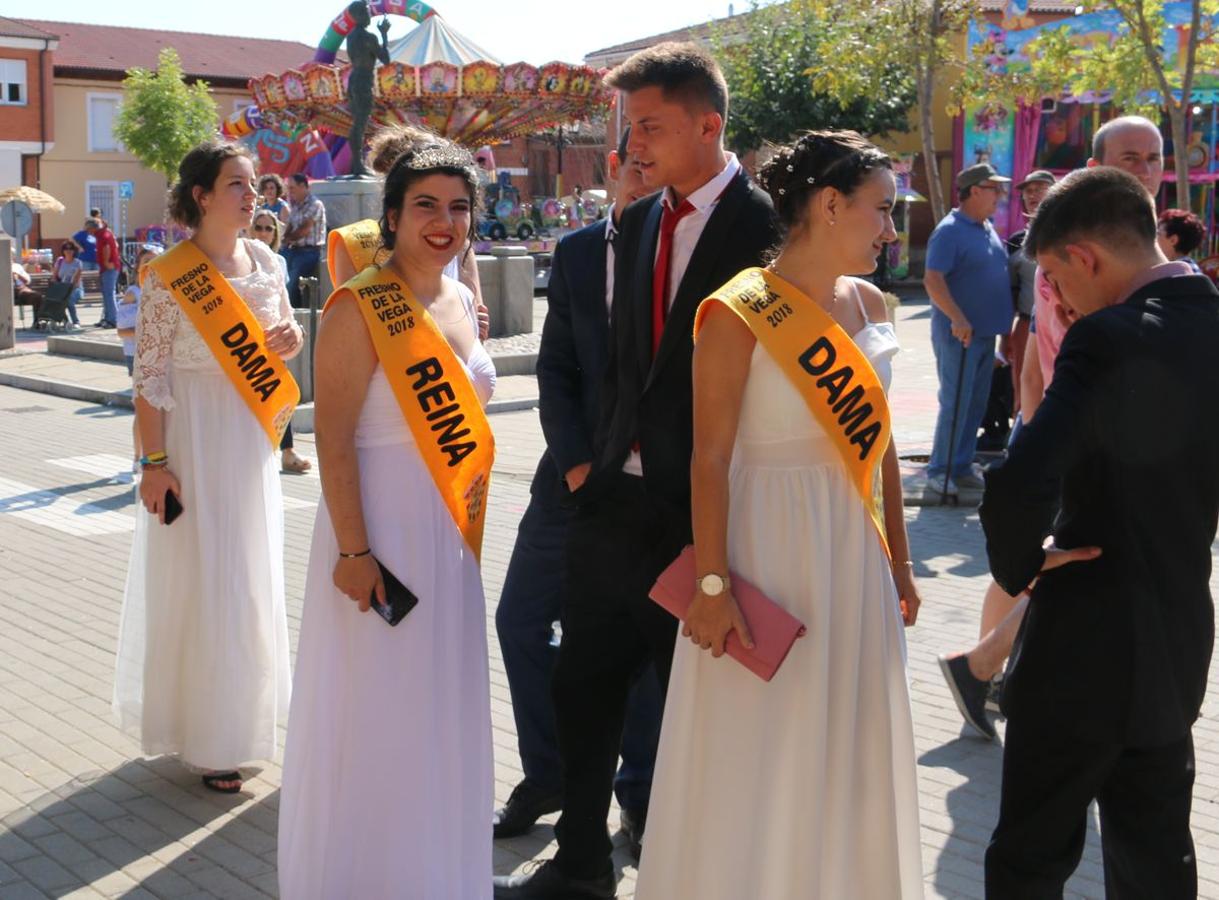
[199, 168]
[685, 73]
[1101, 204]
[272, 178]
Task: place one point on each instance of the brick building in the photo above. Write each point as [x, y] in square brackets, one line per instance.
[57, 134]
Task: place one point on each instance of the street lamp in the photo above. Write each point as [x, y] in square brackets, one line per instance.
[561, 139]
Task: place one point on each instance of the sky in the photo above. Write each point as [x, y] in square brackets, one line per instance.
[535, 31]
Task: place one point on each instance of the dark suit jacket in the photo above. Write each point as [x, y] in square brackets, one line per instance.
[571, 361]
[1117, 649]
[652, 400]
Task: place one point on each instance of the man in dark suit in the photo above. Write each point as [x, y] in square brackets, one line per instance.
[1115, 647]
[633, 519]
[571, 365]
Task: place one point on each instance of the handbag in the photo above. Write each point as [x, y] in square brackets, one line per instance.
[774, 629]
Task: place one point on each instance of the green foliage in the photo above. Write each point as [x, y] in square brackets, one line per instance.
[1132, 64]
[772, 99]
[162, 117]
[862, 45]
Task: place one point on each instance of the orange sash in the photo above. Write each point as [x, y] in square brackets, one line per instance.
[832, 374]
[434, 393]
[362, 242]
[232, 334]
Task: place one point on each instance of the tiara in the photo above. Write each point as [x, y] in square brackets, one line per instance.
[438, 156]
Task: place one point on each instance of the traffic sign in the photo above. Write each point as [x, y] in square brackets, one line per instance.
[126, 190]
[16, 218]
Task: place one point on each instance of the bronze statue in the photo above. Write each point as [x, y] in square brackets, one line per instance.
[364, 53]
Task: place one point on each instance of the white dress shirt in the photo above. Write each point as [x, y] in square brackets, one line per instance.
[685, 239]
[610, 233]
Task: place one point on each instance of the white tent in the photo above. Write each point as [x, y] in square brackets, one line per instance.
[436, 41]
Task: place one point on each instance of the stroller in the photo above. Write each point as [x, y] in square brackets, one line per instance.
[53, 311]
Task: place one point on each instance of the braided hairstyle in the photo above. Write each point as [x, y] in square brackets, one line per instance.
[817, 160]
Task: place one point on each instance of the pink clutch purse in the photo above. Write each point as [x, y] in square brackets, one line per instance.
[774, 628]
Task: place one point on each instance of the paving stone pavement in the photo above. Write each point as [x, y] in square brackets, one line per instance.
[82, 815]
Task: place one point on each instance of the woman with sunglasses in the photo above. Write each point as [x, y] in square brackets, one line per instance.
[268, 229]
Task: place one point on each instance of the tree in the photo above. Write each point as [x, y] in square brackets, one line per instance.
[764, 54]
[861, 47]
[162, 117]
[1133, 66]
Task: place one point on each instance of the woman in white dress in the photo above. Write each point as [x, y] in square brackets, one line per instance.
[202, 668]
[803, 787]
[388, 777]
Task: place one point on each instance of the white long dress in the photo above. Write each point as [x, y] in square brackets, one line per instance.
[803, 787]
[388, 781]
[202, 668]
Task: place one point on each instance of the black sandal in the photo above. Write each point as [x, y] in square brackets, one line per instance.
[212, 782]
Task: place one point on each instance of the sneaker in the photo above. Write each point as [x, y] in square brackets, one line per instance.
[968, 692]
[994, 693]
[970, 482]
[923, 489]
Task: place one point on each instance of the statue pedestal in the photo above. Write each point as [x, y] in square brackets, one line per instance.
[348, 200]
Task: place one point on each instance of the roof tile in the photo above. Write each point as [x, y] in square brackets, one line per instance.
[108, 48]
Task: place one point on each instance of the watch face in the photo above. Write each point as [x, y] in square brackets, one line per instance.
[711, 585]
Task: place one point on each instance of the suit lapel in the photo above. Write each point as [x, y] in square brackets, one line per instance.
[694, 285]
[642, 293]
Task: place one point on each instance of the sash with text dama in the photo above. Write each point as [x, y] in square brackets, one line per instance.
[233, 335]
[434, 393]
[832, 374]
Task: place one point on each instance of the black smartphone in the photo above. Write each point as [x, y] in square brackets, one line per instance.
[398, 598]
[173, 507]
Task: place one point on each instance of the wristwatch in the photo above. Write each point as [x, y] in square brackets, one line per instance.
[712, 585]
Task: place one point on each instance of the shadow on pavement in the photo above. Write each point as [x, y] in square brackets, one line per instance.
[946, 531]
[973, 807]
[151, 820]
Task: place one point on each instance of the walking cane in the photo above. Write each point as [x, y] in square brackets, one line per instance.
[952, 434]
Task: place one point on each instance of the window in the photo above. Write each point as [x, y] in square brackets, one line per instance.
[103, 195]
[102, 110]
[12, 82]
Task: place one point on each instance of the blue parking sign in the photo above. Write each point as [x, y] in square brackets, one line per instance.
[126, 190]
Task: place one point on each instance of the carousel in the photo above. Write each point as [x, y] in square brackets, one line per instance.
[435, 77]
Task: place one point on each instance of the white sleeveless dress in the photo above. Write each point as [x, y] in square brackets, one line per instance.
[202, 667]
[388, 780]
[804, 787]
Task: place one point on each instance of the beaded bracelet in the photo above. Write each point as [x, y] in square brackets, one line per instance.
[355, 555]
[154, 461]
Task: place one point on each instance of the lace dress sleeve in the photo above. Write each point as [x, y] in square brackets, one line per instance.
[154, 341]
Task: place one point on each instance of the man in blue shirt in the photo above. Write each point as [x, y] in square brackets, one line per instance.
[967, 280]
[87, 254]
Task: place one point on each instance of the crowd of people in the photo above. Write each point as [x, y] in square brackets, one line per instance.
[713, 377]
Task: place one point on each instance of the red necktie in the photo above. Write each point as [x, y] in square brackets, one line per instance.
[660, 272]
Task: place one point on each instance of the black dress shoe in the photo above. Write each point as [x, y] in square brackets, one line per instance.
[547, 882]
[969, 693]
[632, 822]
[526, 805]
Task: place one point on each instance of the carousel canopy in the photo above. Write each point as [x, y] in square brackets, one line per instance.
[434, 41]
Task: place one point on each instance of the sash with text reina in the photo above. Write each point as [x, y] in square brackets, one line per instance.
[434, 393]
[362, 240]
[831, 373]
[233, 335]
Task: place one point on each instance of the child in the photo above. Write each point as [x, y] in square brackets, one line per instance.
[127, 312]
